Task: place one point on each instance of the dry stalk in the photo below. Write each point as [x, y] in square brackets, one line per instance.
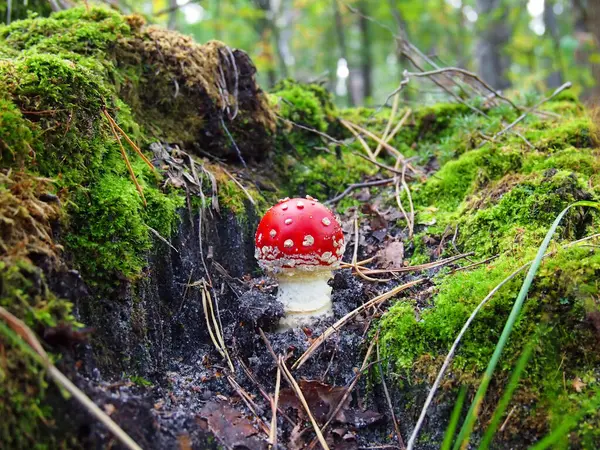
[410, 218]
[296, 388]
[348, 391]
[129, 141]
[124, 154]
[350, 128]
[389, 400]
[388, 125]
[274, 403]
[398, 126]
[249, 403]
[340, 323]
[214, 328]
[234, 179]
[419, 267]
[29, 338]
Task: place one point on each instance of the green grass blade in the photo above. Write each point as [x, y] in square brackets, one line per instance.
[506, 396]
[454, 418]
[566, 426]
[467, 427]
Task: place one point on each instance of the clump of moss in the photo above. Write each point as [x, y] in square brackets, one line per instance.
[499, 198]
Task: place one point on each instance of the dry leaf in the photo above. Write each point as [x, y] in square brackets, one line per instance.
[391, 256]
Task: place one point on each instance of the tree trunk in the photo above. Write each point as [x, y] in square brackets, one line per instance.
[493, 61]
[343, 50]
[555, 78]
[592, 19]
[172, 21]
[366, 57]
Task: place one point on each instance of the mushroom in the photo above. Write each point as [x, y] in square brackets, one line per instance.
[299, 241]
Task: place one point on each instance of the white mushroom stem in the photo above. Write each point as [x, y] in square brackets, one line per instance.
[305, 296]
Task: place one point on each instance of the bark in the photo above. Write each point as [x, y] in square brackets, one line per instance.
[492, 60]
[343, 50]
[366, 56]
[172, 21]
[592, 19]
[556, 77]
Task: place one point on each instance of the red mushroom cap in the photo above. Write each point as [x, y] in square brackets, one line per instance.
[299, 233]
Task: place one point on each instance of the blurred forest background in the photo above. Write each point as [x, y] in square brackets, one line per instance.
[360, 48]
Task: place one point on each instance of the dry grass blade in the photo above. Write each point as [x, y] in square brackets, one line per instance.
[300, 395]
[25, 333]
[398, 126]
[274, 404]
[129, 141]
[340, 323]
[349, 390]
[388, 125]
[419, 267]
[124, 154]
[389, 400]
[239, 185]
[410, 218]
[249, 403]
[214, 329]
[350, 128]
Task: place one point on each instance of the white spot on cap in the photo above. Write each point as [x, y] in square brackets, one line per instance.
[283, 199]
[284, 206]
[300, 205]
[272, 233]
[308, 240]
[288, 243]
[288, 221]
[259, 238]
[312, 199]
[326, 221]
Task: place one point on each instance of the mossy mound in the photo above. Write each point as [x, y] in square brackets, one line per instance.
[499, 199]
[67, 199]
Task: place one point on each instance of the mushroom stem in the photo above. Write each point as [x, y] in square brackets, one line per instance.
[305, 295]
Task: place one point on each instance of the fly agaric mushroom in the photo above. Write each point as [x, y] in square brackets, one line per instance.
[300, 242]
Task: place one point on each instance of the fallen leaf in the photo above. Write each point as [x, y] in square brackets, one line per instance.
[230, 426]
[322, 399]
[578, 384]
[391, 256]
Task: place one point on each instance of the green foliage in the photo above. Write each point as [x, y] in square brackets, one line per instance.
[25, 417]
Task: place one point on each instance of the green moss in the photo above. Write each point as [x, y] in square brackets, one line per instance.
[26, 419]
[560, 297]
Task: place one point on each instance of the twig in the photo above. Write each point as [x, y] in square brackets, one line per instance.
[350, 128]
[388, 125]
[355, 265]
[378, 164]
[565, 86]
[249, 403]
[312, 130]
[348, 391]
[466, 73]
[274, 402]
[130, 142]
[124, 155]
[398, 126]
[214, 326]
[341, 322]
[157, 234]
[389, 400]
[416, 268]
[354, 186]
[239, 185]
[29, 338]
[294, 385]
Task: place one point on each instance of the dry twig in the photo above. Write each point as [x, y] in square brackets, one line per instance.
[341, 322]
[22, 331]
